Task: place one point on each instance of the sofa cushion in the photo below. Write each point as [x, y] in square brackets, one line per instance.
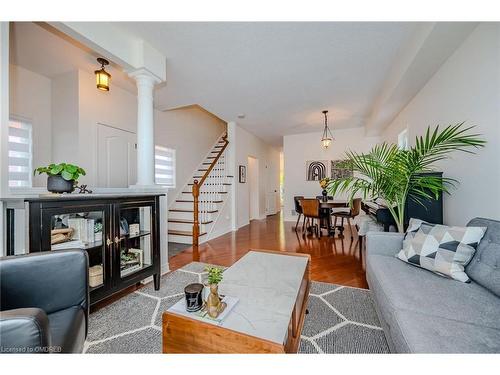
[484, 267]
[405, 287]
[429, 334]
[67, 329]
[439, 248]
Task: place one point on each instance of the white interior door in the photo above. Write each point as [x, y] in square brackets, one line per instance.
[116, 157]
[272, 195]
[253, 187]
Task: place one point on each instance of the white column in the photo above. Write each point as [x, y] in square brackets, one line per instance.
[145, 81]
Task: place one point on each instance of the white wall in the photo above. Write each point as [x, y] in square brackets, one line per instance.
[300, 148]
[192, 132]
[466, 88]
[30, 99]
[246, 144]
[116, 108]
[64, 134]
[65, 112]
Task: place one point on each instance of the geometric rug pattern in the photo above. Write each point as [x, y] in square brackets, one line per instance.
[340, 319]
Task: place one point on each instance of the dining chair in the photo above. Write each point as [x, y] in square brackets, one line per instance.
[351, 214]
[311, 211]
[298, 210]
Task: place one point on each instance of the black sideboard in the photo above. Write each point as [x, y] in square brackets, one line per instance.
[120, 233]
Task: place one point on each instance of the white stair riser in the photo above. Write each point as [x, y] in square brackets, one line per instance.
[187, 215]
[180, 239]
[184, 226]
[213, 188]
[190, 205]
[185, 239]
[189, 196]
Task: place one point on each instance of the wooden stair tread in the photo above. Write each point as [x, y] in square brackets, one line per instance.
[187, 221]
[181, 210]
[224, 183]
[206, 192]
[192, 201]
[183, 233]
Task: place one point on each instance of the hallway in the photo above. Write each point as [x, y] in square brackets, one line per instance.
[334, 260]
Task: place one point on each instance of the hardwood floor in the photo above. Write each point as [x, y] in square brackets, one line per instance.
[333, 260]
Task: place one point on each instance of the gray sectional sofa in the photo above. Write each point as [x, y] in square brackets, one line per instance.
[422, 312]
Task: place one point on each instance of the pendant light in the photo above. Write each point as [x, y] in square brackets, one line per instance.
[102, 77]
[327, 134]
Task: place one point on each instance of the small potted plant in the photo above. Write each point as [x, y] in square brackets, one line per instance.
[62, 178]
[324, 182]
[214, 304]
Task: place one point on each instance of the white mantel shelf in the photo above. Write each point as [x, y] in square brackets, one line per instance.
[41, 193]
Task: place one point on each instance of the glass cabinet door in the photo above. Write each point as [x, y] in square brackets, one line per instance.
[135, 241]
[87, 229]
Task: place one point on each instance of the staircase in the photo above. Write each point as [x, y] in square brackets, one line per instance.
[194, 213]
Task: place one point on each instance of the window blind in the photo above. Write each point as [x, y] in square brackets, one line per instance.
[20, 154]
[165, 166]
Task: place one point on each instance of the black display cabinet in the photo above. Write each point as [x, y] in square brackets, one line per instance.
[121, 235]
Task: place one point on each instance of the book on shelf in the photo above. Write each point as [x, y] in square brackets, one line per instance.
[75, 223]
[72, 244]
[83, 229]
[90, 230]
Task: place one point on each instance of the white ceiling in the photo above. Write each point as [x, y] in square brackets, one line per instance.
[280, 75]
[44, 50]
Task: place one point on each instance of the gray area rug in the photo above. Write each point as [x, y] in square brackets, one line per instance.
[340, 319]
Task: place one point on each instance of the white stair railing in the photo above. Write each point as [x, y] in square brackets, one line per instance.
[207, 190]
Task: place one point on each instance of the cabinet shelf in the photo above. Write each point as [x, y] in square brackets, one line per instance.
[92, 288]
[111, 212]
[132, 270]
[142, 233]
[93, 245]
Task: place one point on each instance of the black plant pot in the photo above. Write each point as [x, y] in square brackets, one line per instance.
[57, 184]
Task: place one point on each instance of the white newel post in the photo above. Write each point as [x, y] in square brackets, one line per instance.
[145, 81]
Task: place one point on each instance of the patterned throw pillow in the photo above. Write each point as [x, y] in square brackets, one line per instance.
[441, 249]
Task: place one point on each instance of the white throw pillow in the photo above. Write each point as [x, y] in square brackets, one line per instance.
[441, 249]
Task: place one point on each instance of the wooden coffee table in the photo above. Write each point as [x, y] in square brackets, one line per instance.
[273, 289]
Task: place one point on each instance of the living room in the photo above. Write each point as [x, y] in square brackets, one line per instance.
[250, 187]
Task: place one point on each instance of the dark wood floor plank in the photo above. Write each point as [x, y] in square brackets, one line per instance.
[333, 260]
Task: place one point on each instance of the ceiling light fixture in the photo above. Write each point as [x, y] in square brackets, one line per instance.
[327, 138]
[102, 77]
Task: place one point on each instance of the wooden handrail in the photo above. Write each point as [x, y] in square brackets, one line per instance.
[196, 193]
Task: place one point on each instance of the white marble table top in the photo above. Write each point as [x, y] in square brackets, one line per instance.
[267, 286]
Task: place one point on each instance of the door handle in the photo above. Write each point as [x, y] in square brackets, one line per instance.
[108, 242]
[118, 240]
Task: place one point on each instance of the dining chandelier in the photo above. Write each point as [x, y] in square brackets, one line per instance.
[327, 138]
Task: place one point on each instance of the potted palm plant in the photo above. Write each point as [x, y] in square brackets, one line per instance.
[393, 174]
[62, 178]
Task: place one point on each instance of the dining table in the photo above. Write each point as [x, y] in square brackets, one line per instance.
[336, 205]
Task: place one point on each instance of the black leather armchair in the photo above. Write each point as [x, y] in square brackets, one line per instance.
[44, 302]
